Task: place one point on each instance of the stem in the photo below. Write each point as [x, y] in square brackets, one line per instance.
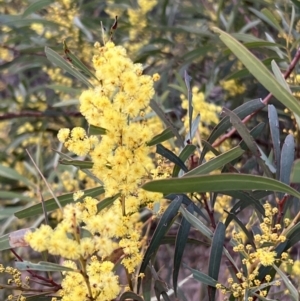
[37, 114]
[57, 286]
[209, 212]
[85, 276]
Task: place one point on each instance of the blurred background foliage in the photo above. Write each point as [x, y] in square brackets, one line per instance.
[168, 37]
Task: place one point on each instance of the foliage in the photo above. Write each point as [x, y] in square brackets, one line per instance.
[124, 140]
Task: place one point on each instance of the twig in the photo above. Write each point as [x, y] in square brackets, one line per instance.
[50, 281]
[37, 114]
[265, 100]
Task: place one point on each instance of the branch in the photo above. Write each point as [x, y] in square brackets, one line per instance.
[37, 114]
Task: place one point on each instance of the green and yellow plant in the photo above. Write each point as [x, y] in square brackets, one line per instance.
[100, 243]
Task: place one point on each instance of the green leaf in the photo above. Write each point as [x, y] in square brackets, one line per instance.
[39, 297]
[95, 130]
[274, 129]
[248, 139]
[160, 113]
[293, 236]
[187, 80]
[27, 22]
[188, 150]
[272, 20]
[215, 256]
[260, 72]
[107, 202]
[181, 240]
[9, 211]
[165, 135]
[160, 289]
[196, 223]
[296, 3]
[161, 150]
[295, 174]
[267, 16]
[35, 6]
[77, 62]
[14, 195]
[64, 89]
[293, 291]
[245, 200]
[10, 173]
[218, 183]
[187, 201]
[287, 159]
[160, 231]
[245, 72]
[78, 163]
[255, 132]
[216, 162]
[131, 296]
[279, 76]
[56, 59]
[41, 266]
[248, 234]
[242, 111]
[52, 205]
[147, 284]
[194, 127]
[203, 278]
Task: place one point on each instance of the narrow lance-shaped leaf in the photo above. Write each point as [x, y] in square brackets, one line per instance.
[181, 240]
[187, 201]
[218, 183]
[106, 202]
[260, 72]
[194, 128]
[156, 108]
[184, 155]
[131, 296]
[216, 256]
[77, 62]
[286, 160]
[216, 162]
[160, 231]
[245, 201]
[147, 284]
[203, 277]
[52, 205]
[41, 266]
[242, 111]
[161, 150]
[254, 132]
[274, 129]
[248, 139]
[165, 135]
[95, 130]
[187, 80]
[196, 223]
[10, 173]
[295, 174]
[77, 163]
[56, 59]
[35, 6]
[293, 291]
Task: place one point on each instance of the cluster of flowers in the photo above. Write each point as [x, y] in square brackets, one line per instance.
[253, 258]
[121, 161]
